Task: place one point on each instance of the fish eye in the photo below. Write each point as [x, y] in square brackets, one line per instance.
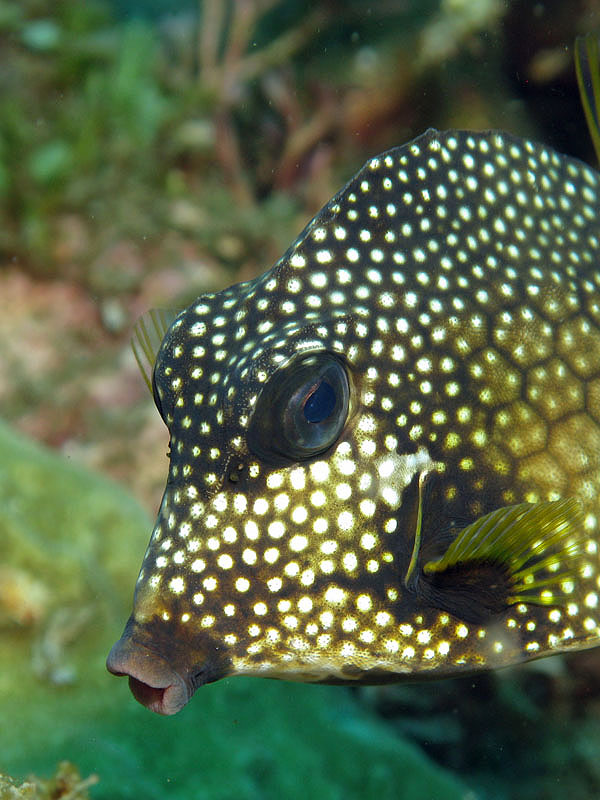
[302, 410]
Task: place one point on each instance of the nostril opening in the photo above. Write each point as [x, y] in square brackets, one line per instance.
[149, 696]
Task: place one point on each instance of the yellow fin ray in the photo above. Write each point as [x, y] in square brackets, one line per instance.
[148, 333]
[538, 546]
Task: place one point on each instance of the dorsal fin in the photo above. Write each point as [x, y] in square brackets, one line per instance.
[148, 333]
[587, 67]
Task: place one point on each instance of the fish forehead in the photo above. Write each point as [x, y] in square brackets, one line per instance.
[445, 215]
[438, 274]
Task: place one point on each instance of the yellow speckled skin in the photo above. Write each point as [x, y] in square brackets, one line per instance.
[456, 279]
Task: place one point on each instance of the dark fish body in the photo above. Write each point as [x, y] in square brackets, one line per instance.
[385, 451]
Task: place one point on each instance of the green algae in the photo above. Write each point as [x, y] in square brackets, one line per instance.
[81, 537]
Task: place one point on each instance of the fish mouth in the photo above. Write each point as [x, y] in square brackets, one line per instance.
[153, 682]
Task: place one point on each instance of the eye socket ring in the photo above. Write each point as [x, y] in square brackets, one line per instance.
[302, 409]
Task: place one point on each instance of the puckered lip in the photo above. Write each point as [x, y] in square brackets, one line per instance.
[153, 682]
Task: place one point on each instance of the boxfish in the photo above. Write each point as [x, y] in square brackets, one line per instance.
[384, 451]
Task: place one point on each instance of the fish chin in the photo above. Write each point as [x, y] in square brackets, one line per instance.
[153, 682]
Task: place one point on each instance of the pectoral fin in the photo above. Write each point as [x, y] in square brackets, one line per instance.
[518, 554]
[587, 68]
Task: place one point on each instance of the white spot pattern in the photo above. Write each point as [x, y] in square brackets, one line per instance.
[457, 279]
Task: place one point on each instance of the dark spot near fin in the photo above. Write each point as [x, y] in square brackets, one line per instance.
[470, 591]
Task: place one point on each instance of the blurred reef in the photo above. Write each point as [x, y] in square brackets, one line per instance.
[66, 784]
[129, 129]
[152, 150]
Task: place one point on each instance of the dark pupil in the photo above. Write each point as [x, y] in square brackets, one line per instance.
[320, 403]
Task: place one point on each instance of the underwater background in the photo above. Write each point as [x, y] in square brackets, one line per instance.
[152, 150]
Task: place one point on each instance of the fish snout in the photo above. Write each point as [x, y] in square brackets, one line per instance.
[152, 680]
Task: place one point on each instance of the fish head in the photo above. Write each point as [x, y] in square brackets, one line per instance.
[336, 422]
[273, 460]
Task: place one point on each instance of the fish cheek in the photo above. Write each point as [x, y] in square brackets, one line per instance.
[146, 603]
